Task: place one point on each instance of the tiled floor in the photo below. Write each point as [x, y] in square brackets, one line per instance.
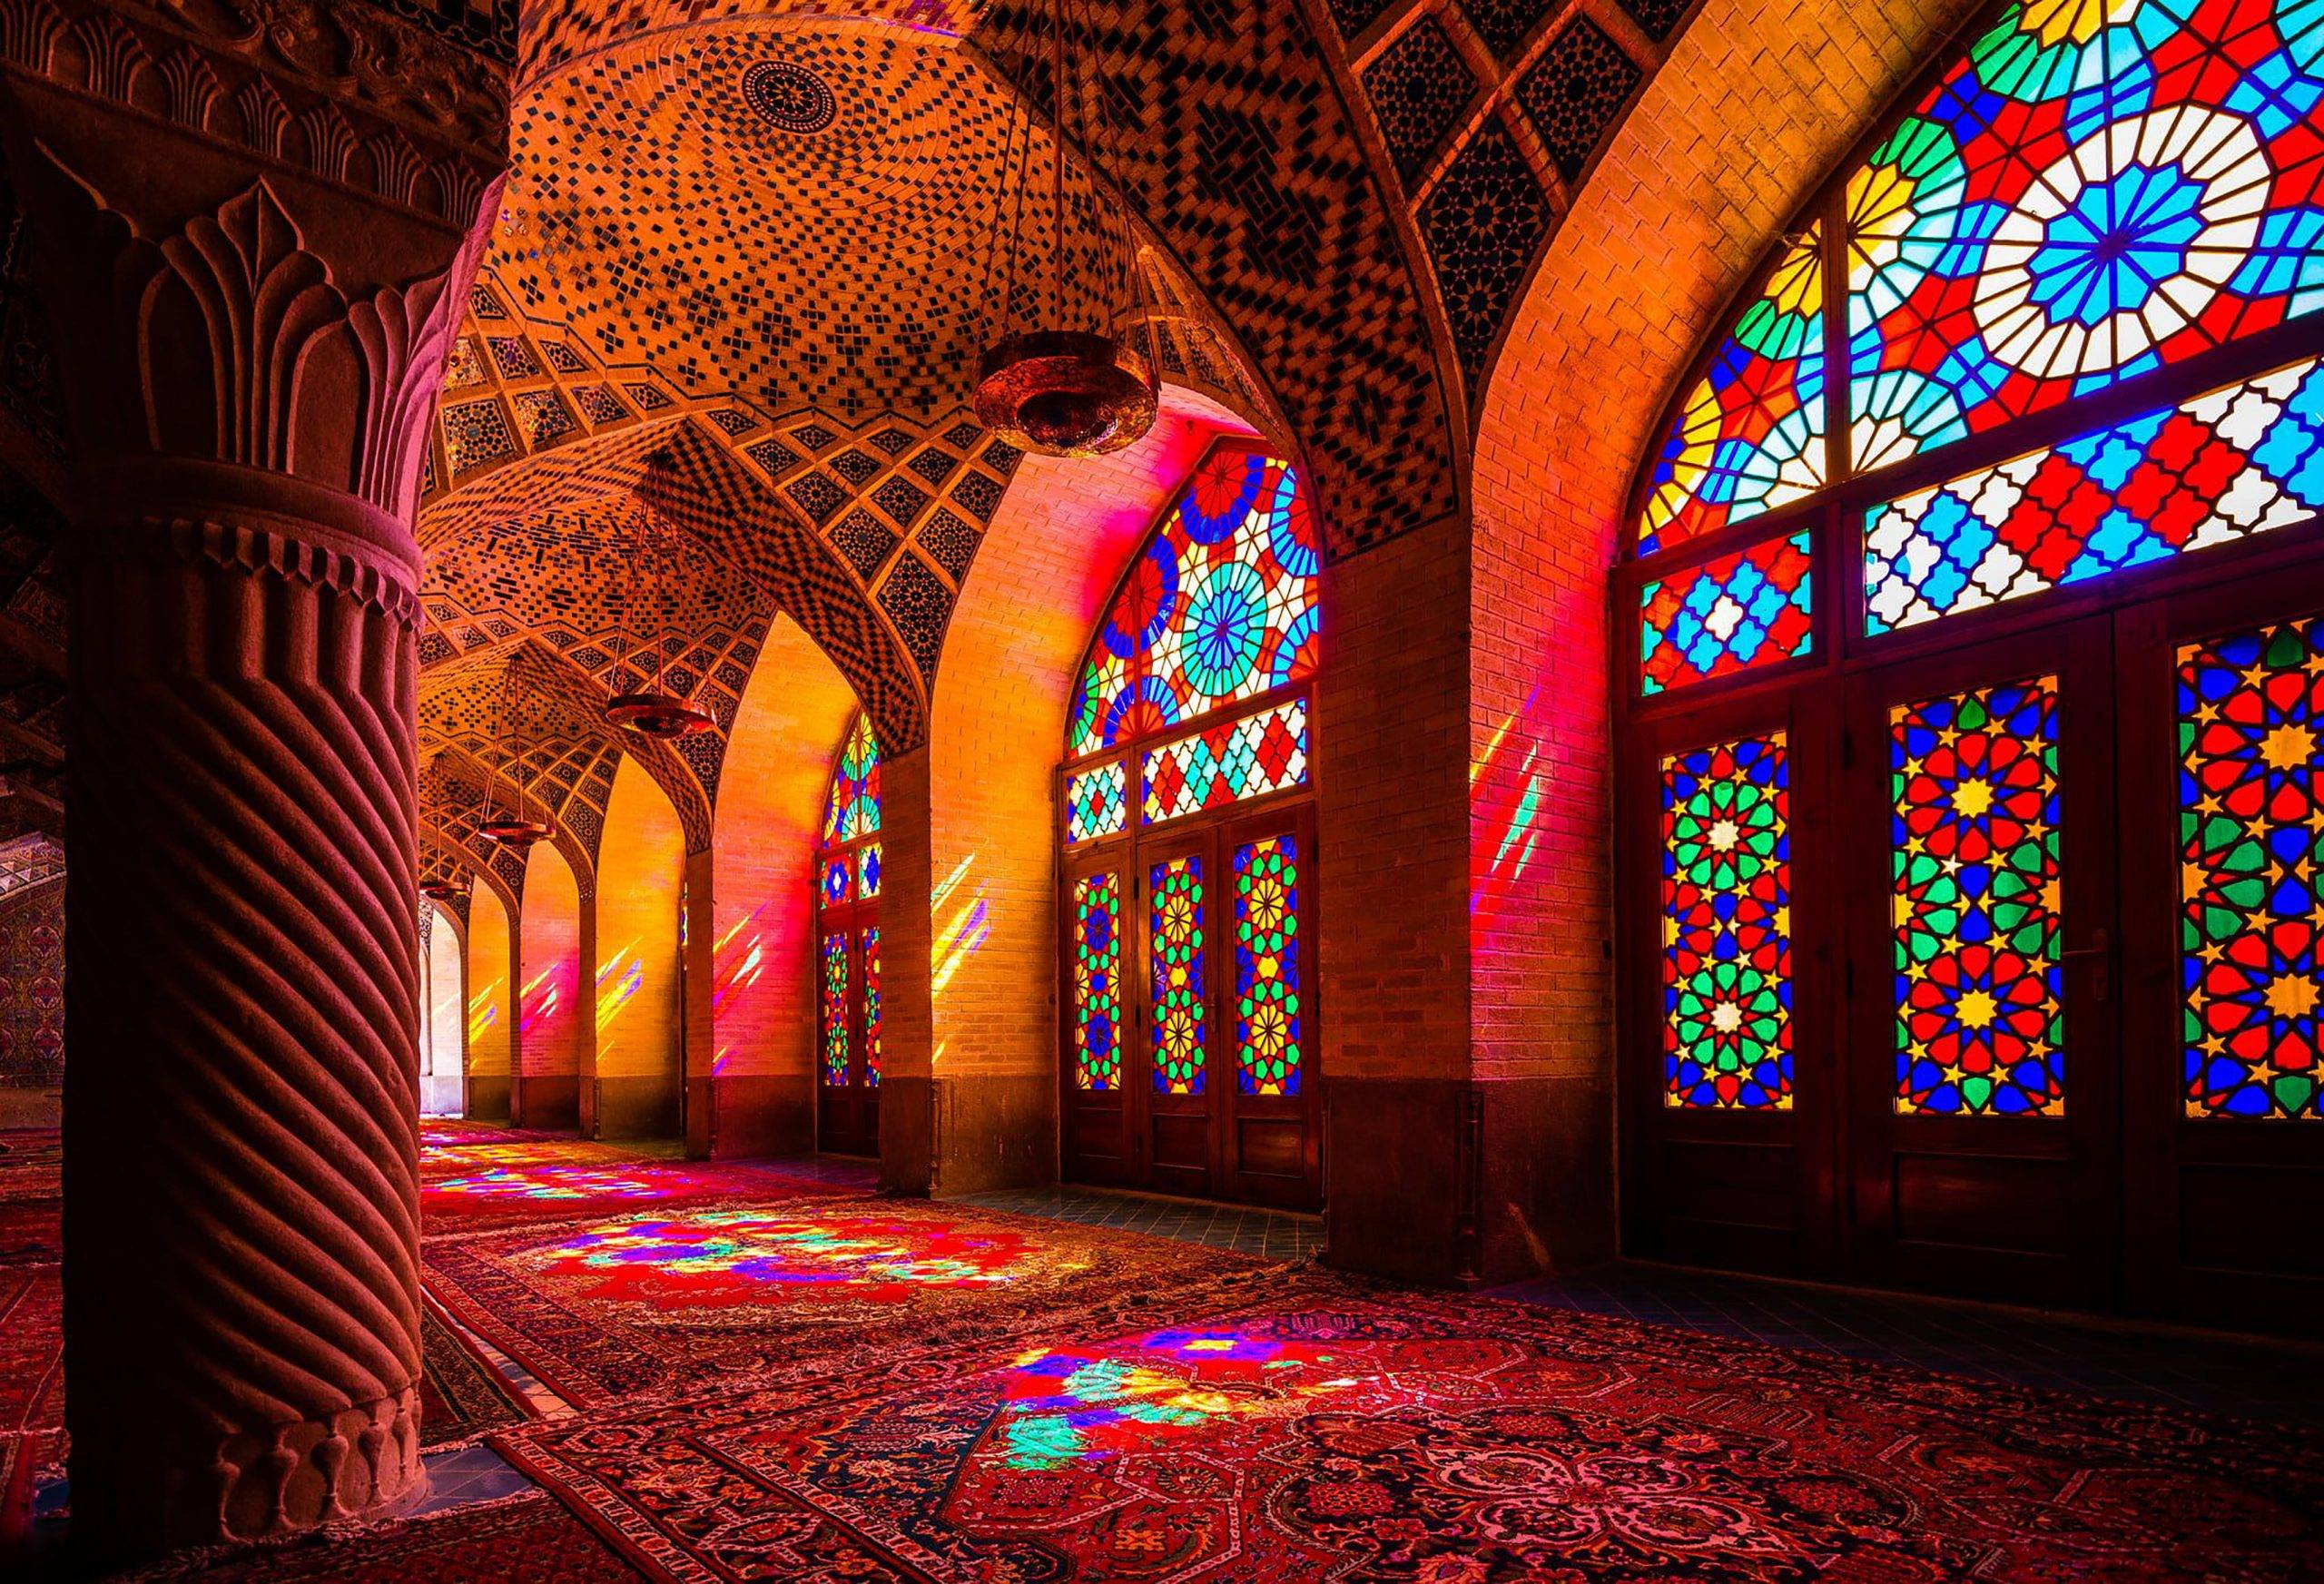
[1269, 1234]
[2252, 1377]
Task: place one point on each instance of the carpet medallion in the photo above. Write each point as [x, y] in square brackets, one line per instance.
[1338, 1431]
[664, 1302]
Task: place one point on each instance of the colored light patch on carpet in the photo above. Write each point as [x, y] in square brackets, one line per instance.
[1077, 1406]
[839, 1291]
[552, 1183]
[1327, 1430]
[724, 1257]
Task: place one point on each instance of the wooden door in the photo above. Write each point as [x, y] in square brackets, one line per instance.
[1977, 807]
[2222, 766]
[1726, 883]
[1095, 1141]
[847, 966]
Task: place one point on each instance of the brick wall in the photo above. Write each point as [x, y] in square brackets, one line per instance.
[554, 1020]
[490, 1013]
[641, 871]
[769, 817]
[1755, 104]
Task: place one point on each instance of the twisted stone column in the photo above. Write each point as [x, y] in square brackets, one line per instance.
[241, 1199]
[249, 323]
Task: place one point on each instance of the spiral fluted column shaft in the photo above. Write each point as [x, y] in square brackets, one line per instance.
[242, 1109]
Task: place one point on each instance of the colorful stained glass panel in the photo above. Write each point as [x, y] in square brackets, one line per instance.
[2223, 467]
[1227, 762]
[1176, 923]
[1726, 926]
[867, 873]
[1269, 1020]
[833, 1005]
[2250, 715]
[1219, 605]
[1751, 434]
[1096, 802]
[1096, 982]
[871, 939]
[835, 877]
[852, 808]
[1974, 849]
[1750, 608]
[2095, 189]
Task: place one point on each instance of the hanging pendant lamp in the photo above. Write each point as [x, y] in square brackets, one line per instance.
[442, 891]
[652, 710]
[512, 829]
[1070, 386]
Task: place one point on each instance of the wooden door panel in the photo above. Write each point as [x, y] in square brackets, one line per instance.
[1983, 1105]
[2225, 1202]
[1727, 1174]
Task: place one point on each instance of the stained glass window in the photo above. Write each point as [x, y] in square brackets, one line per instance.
[1097, 982]
[2223, 467]
[1227, 762]
[867, 873]
[835, 877]
[1269, 1023]
[1751, 434]
[1096, 802]
[2251, 713]
[835, 1007]
[2097, 188]
[1176, 922]
[1974, 850]
[1750, 608]
[852, 808]
[1220, 606]
[871, 939]
[1727, 925]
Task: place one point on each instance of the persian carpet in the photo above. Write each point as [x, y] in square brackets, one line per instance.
[32, 1232]
[452, 1133]
[670, 1300]
[32, 1388]
[461, 1395]
[1340, 1431]
[495, 1186]
[32, 1163]
[530, 1539]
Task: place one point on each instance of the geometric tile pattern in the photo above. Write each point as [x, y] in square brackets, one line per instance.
[1482, 222]
[1419, 87]
[1575, 91]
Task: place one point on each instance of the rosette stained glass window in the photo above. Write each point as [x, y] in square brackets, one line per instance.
[852, 808]
[1219, 607]
[2251, 720]
[1750, 435]
[847, 890]
[870, 949]
[1974, 850]
[1726, 926]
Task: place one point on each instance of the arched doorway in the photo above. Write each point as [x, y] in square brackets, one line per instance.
[443, 1021]
[1186, 829]
[1969, 770]
[847, 950]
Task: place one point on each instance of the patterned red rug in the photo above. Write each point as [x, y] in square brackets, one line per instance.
[461, 1395]
[32, 1163]
[31, 1389]
[1341, 1431]
[672, 1300]
[528, 1541]
[520, 1184]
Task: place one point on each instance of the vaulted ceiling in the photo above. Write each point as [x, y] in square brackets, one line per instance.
[750, 240]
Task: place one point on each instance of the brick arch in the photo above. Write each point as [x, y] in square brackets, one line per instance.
[1052, 560]
[1756, 103]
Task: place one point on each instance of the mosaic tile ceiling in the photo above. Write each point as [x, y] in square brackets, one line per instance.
[746, 235]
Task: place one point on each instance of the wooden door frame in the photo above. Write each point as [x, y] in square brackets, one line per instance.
[2160, 1139]
[1647, 1125]
[2085, 1135]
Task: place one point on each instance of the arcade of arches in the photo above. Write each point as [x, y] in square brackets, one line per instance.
[1639, 898]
